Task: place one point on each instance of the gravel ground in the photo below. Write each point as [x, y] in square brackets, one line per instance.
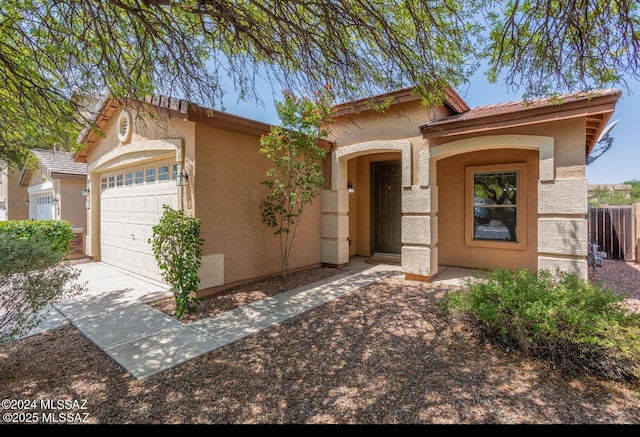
[384, 354]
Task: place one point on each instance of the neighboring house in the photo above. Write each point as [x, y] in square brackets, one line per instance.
[501, 185]
[14, 198]
[623, 190]
[55, 191]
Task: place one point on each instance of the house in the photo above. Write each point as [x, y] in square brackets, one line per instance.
[500, 185]
[54, 191]
[203, 161]
[14, 198]
[420, 176]
[623, 190]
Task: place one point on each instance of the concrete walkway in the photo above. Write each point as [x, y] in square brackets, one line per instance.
[114, 315]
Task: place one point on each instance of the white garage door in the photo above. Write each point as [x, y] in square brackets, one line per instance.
[130, 205]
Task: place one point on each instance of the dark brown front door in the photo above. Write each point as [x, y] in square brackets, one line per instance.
[386, 203]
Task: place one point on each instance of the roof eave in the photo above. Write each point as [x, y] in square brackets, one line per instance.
[597, 110]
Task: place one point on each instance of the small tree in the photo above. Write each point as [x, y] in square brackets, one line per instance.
[177, 247]
[296, 175]
[32, 275]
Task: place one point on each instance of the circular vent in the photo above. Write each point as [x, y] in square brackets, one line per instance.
[124, 126]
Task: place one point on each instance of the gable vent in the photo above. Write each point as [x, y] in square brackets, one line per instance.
[124, 126]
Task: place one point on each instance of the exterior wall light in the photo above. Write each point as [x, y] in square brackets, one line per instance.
[350, 188]
[26, 202]
[181, 179]
[85, 192]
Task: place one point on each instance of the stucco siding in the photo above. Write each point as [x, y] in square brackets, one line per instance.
[227, 194]
[563, 236]
[452, 250]
[400, 122]
[72, 204]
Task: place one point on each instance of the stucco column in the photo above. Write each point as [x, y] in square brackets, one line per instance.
[420, 223]
[335, 227]
[563, 226]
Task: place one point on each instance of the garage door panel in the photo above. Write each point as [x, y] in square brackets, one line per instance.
[119, 204]
[150, 204]
[128, 214]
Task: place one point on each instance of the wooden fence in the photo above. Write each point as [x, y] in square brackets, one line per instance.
[613, 229]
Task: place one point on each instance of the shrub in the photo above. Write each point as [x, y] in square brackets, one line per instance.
[177, 247]
[578, 326]
[32, 275]
[57, 233]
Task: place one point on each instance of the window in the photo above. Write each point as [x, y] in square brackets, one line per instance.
[495, 212]
[128, 179]
[151, 175]
[112, 181]
[103, 183]
[139, 175]
[163, 173]
[119, 180]
[174, 171]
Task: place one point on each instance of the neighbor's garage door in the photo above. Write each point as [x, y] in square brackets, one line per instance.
[130, 205]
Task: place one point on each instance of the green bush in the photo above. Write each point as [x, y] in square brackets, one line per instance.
[56, 233]
[578, 326]
[32, 275]
[177, 247]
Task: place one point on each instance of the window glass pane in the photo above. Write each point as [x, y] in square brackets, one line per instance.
[103, 183]
[494, 206]
[174, 171]
[163, 173]
[496, 188]
[112, 181]
[119, 180]
[128, 179]
[139, 175]
[151, 175]
[496, 224]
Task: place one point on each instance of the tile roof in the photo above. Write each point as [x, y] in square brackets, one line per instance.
[520, 106]
[54, 161]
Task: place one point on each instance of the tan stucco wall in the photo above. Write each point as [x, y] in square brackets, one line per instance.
[401, 121]
[360, 201]
[228, 191]
[452, 250]
[72, 204]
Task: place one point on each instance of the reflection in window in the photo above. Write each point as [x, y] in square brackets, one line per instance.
[139, 175]
[128, 179]
[495, 206]
[151, 175]
[112, 181]
[163, 173]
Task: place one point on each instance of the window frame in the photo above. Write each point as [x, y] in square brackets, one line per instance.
[150, 173]
[164, 176]
[521, 206]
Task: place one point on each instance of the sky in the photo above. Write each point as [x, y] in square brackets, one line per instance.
[619, 164]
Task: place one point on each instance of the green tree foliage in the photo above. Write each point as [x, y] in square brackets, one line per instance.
[634, 194]
[51, 51]
[296, 176]
[32, 275]
[177, 247]
[602, 196]
[57, 233]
